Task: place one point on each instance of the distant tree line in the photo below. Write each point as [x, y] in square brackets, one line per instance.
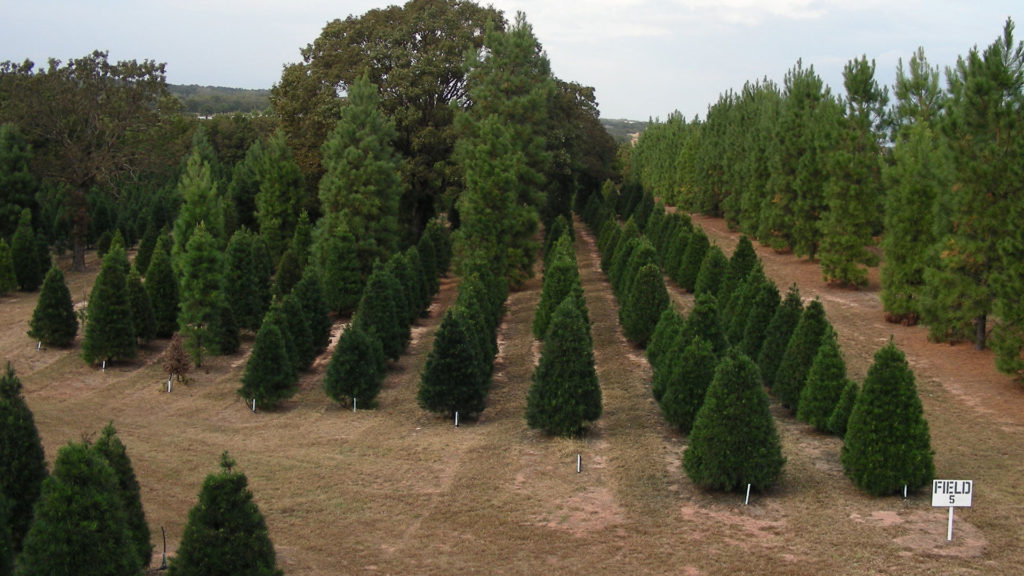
[936, 175]
[211, 100]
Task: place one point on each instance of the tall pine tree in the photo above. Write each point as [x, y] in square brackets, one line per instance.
[22, 462]
[109, 330]
[54, 322]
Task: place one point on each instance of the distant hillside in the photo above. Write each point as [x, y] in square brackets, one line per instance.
[209, 100]
[622, 130]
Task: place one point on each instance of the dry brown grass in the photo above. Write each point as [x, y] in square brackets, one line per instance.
[399, 491]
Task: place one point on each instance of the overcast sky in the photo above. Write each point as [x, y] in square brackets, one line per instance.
[646, 58]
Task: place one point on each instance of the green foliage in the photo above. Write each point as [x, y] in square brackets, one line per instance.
[224, 336]
[763, 305]
[357, 368]
[736, 314]
[110, 447]
[826, 381]
[777, 336]
[456, 376]
[80, 525]
[800, 352]
[684, 381]
[647, 298]
[201, 279]
[703, 322]
[162, 287]
[440, 240]
[379, 313]
[334, 255]
[561, 279]
[143, 319]
[744, 259]
[712, 271]
[281, 189]
[310, 294]
[428, 261]
[565, 394]
[299, 331]
[734, 442]
[398, 266]
[225, 533]
[6, 542]
[201, 205]
[666, 331]
[243, 281]
[840, 417]
[18, 185]
[22, 462]
[54, 322]
[144, 254]
[269, 376]
[109, 331]
[8, 278]
[887, 444]
[696, 248]
[27, 267]
[642, 255]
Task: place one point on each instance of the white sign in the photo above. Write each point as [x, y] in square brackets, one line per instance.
[952, 493]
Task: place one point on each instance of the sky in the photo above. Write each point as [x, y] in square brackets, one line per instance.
[645, 58]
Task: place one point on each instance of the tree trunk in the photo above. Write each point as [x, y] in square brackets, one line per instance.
[979, 332]
[78, 254]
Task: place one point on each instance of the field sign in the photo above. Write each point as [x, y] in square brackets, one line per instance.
[952, 493]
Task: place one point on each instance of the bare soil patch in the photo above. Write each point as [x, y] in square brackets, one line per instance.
[398, 491]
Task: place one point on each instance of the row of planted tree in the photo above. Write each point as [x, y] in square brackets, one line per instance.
[711, 368]
[935, 175]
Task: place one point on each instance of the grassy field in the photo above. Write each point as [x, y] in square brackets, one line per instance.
[399, 491]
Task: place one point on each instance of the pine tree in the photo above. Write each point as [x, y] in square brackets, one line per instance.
[269, 373]
[224, 337]
[176, 360]
[777, 336]
[800, 352]
[737, 314]
[440, 240]
[289, 272]
[670, 325]
[280, 195]
[362, 183]
[887, 444]
[298, 328]
[110, 447]
[335, 256]
[23, 252]
[423, 293]
[109, 332]
[357, 368]
[744, 259]
[378, 313]
[18, 185]
[826, 381]
[80, 525]
[201, 204]
[703, 321]
[54, 322]
[8, 278]
[734, 442]
[143, 319]
[455, 377]
[759, 316]
[428, 260]
[648, 297]
[162, 287]
[561, 279]
[680, 385]
[6, 541]
[22, 462]
[225, 534]
[144, 255]
[712, 271]
[202, 277]
[840, 416]
[692, 259]
[310, 294]
[565, 394]
[241, 281]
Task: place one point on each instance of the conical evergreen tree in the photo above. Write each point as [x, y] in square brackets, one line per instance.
[712, 271]
[23, 251]
[412, 257]
[289, 272]
[642, 255]
[840, 416]
[280, 195]
[162, 287]
[826, 381]
[298, 328]
[703, 322]
[357, 368]
[759, 317]
[22, 462]
[670, 325]
[428, 259]
[144, 255]
[241, 283]
[743, 260]
[734, 441]
[684, 381]
[565, 394]
[310, 293]
[224, 337]
[409, 293]
[648, 297]
[561, 279]
[269, 373]
[777, 336]
[54, 322]
[8, 278]
[80, 525]
[736, 316]
[335, 256]
[800, 352]
[201, 204]
[110, 447]
[202, 278]
[225, 534]
[696, 248]
[109, 331]
[454, 377]
[441, 241]
[143, 319]
[887, 444]
[378, 313]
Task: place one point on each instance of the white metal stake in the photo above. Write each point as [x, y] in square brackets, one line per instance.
[353, 404]
[746, 501]
[39, 345]
[253, 404]
[949, 530]
[169, 378]
[104, 366]
[579, 462]
[904, 491]
[456, 418]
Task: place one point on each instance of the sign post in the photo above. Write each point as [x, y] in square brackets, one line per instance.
[952, 494]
